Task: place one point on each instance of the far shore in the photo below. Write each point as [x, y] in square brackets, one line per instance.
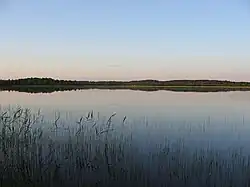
[48, 85]
[177, 88]
[124, 86]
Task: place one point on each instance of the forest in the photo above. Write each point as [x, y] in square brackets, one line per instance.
[34, 81]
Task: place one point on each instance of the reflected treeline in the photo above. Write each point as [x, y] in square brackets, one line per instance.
[50, 89]
[37, 89]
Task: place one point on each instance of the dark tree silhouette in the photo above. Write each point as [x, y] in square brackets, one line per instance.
[54, 82]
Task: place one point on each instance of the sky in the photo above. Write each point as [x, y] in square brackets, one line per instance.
[125, 39]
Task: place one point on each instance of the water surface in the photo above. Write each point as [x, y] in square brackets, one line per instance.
[219, 119]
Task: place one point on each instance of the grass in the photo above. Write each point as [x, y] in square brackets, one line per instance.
[95, 154]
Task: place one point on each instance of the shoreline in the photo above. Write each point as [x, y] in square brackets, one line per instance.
[177, 88]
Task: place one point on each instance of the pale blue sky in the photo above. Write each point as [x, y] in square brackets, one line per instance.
[132, 39]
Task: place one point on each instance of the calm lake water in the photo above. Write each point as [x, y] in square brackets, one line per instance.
[220, 120]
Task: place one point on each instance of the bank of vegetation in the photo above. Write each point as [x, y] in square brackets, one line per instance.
[35, 85]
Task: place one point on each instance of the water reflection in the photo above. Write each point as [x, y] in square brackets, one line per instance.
[51, 89]
[217, 119]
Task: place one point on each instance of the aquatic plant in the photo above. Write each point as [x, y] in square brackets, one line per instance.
[95, 154]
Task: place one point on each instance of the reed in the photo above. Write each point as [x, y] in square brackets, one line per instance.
[95, 154]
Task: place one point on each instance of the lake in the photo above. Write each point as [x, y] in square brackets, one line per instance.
[220, 120]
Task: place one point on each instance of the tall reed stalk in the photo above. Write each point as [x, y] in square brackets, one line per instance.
[93, 154]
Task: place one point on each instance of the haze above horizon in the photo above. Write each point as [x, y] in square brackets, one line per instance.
[125, 40]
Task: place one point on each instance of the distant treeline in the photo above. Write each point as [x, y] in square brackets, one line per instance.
[55, 82]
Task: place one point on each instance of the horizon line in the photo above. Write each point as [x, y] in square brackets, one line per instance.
[146, 79]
